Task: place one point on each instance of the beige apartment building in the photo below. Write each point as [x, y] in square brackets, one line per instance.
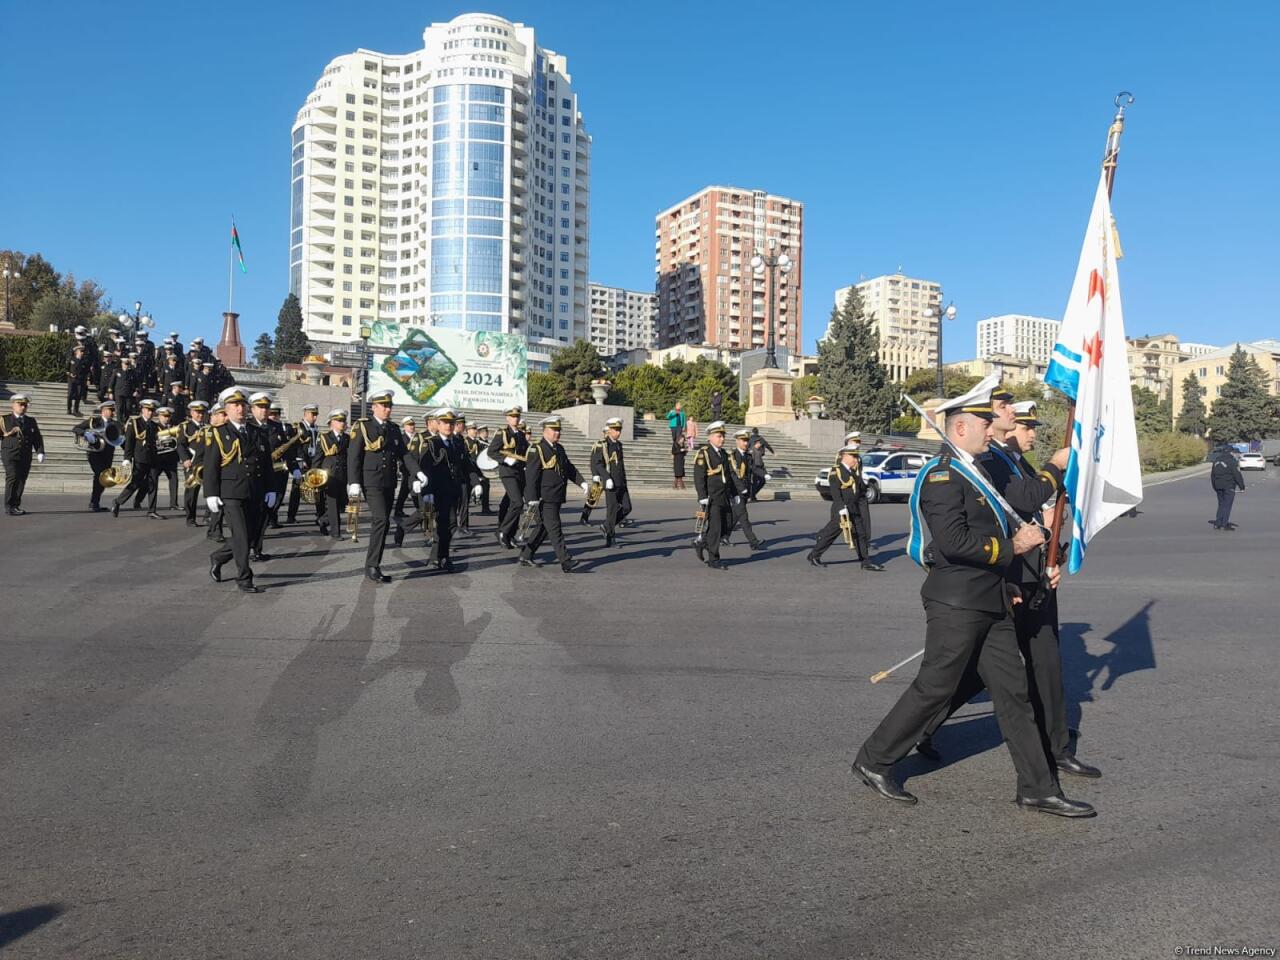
[1211, 370]
[1013, 370]
[707, 291]
[900, 306]
[1153, 362]
[621, 320]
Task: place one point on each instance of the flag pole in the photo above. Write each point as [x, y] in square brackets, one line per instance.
[231, 273]
[1110, 158]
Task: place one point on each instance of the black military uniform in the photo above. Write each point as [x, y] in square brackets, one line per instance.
[140, 450]
[308, 455]
[744, 473]
[125, 389]
[447, 469]
[21, 442]
[268, 438]
[848, 495]
[373, 462]
[510, 444]
[608, 464]
[468, 477]
[78, 371]
[192, 437]
[165, 465]
[969, 619]
[100, 451]
[412, 446]
[331, 456]
[711, 466]
[547, 476]
[474, 448]
[107, 376]
[236, 463]
[282, 467]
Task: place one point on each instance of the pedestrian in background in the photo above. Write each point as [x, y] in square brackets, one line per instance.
[678, 451]
[717, 402]
[676, 419]
[1226, 479]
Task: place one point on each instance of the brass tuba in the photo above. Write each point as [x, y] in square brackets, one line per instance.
[313, 481]
[114, 476]
[594, 493]
[195, 476]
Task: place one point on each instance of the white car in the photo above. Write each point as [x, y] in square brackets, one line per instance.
[888, 473]
[1252, 461]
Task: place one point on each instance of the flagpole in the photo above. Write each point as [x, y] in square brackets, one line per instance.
[231, 273]
[1110, 157]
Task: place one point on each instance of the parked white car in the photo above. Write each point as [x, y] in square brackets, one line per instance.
[888, 473]
[1252, 461]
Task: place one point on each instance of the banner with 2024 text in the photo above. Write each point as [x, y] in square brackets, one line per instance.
[430, 366]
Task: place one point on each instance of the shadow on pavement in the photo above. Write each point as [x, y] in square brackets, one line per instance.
[18, 923]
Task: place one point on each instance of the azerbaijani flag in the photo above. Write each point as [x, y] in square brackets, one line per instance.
[235, 242]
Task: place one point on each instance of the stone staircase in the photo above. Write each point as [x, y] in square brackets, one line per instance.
[65, 468]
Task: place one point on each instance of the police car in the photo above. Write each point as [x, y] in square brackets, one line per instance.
[888, 473]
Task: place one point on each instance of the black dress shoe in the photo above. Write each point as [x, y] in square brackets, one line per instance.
[152, 515]
[568, 565]
[261, 557]
[1068, 763]
[95, 508]
[375, 575]
[1057, 806]
[445, 565]
[882, 784]
[814, 559]
[275, 525]
[398, 537]
[215, 571]
[191, 522]
[717, 565]
[530, 562]
[1230, 526]
[608, 540]
[926, 749]
[873, 567]
[758, 546]
[700, 549]
[248, 588]
[115, 509]
[218, 539]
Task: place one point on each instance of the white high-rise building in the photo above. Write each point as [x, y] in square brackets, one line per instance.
[622, 320]
[905, 311]
[448, 186]
[1017, 335]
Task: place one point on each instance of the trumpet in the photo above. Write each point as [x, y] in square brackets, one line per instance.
[528, 524]
[313, 481]
[428, 519]
[846, 530]
[353, 520]
[114, 476]
[699, 524]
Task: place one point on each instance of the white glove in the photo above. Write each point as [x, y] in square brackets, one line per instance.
[768, 476]
[91, 435]
[586, 487]
[702, 503]
[845, 513]
[417, 487]
[532, 503]
[595, 479]
[608, 484]
[297, 474]
[353, 490]
[39, 458]
[736, 501]
[509, 461]
[271, 500]
[422, 478]
[475, 491]
[214, 504]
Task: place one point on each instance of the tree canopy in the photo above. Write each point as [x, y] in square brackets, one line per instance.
[579, 364]
[1192, 418]
[263, 351]
[1244, 410]
[850, 376]
[291, 344]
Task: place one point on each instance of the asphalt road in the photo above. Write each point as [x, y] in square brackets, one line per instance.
[644, 759]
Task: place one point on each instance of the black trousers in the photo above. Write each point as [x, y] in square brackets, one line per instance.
[124, 408]
[215, 526]
[1225, 499]
[16, 470]
[954, 638]
[139, 484]
[295, 500]
[617, 507]
[191, 497]
[548, 527]
[335, 509]
[512, 503]
[406, 488]
[462, 507]
[738, 510]
[446, 524]
[97, 463]
[158, 470]
[715, 532]
[1037, 632]
[828, 534]
[77, 390]
[258, 533]
[484, 495]
[378, 500]
[244, 517]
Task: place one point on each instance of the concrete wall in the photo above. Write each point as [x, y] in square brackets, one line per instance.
[295, 395]
[815, 434]
[590, 418]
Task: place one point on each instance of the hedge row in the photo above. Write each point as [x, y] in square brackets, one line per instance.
[42, 357]
[1168, 451]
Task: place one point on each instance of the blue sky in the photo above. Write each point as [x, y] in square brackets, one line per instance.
[958, 141]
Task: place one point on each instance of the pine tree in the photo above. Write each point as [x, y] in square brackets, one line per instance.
[1192, 419]
[1244, 410]
[291, 344]
[850, 376]
[263, 352]
[579, 364]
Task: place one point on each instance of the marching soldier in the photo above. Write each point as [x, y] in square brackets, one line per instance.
[309, 428]
[967, 604]
[584, 518]
[413, 444]
[711, 466]
[609, 468]
[468, 475]
[107, 375]
[98, 435]
[854, 438]
[125, 389]
[237, 459]
[202, 385]
[442, 473]
[847, 488]
[191, 440]
[744, 473]
[139, 456]
[78, 370]
[166, 462]
[476, 444]
[214, 526]
[259, 409]
[547, 476]
[291, 460]
[510, 448]
[331, 453]
[21, 440]
[373, 462]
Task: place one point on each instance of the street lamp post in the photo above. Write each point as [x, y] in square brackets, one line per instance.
[136, 320]
[947, 314]
[365, 334]
[773, 263]
[8, 308]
